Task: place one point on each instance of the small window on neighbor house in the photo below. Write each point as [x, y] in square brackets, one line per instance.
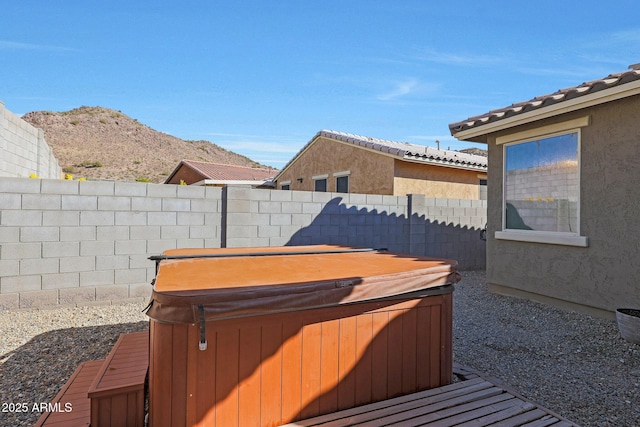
[483, 190]
[342, 184]
[285, 185]
[542, 184]
[321, 185]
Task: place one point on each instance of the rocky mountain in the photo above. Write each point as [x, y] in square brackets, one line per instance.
[100, 143]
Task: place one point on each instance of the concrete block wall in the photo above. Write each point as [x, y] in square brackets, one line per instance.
[545, 197]
[23, 149]
[82, 242]
[554, 215]
[449, 228]
[445, 228]
[549, 182]
[257, 217]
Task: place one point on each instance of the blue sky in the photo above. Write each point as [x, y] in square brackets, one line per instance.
[262, 77]
[543, 152]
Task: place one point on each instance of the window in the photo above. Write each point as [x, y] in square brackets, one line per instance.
[285, 185]
[483, 190]
[342, 181]
[542, 184]
[342, 184]
[320, 182]
[541, 198]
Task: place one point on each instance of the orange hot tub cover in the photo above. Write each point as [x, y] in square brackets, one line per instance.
[193, 285]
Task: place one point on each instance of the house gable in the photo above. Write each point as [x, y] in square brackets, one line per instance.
[192, 172]
[370, 172]
[372, 165]
[184, 173]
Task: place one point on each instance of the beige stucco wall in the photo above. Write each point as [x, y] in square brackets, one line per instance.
[605, 275]
[188, 175]
[436, 181]
[371, 173]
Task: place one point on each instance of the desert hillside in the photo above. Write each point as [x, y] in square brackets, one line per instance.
[100, 143]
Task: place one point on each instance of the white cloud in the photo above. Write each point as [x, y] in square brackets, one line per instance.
[407, 87]
[448, 58]
[263, 146]
[257, 143]
[627, 36]
[12, 45]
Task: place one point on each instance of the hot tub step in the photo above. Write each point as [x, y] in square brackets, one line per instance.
[71, 407]
[117, 391]
[105, 392]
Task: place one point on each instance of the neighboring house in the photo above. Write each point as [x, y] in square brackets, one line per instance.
[563, 194]
[345, 163]
[192, 172]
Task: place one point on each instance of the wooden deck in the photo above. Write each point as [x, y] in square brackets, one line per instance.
[106, 392]
[475, 401]
[74, 392]
[111, 392]
[117, 392]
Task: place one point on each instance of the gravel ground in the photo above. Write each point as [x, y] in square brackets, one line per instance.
[576, 365]
[573, 364]
[39, 350]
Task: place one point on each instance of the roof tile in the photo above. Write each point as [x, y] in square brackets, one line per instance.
[562, 95]
[216, 171]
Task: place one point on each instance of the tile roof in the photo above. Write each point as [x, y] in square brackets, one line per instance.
[220, 172]
[562, 95]
[403, 151]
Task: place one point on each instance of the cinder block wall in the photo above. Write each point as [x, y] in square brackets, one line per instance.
[444, 228]
[73, 242]
[276, 217]
[78, 243]
[23, 149]
[449, 228]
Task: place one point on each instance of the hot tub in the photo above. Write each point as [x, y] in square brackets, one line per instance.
[267, 336]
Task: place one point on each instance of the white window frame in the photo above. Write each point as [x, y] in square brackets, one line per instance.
[283, 183]
[535, 236]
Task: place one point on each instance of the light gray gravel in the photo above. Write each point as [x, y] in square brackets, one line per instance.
[40, 349]
[576, 365]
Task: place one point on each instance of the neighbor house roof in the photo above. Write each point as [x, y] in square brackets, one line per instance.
[220, 173]
[614, 86]
[402, 151]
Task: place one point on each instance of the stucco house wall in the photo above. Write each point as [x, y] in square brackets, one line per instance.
[603, 276]
[184, 174]
[436, 181]
[370, 172]
[376, 166]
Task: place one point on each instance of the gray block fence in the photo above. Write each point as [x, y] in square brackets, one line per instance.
[66, 243]
[24, 150]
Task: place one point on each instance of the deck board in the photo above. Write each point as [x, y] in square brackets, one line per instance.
[126, 365]
[74, 392]
[476, 401]
[117, 391]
